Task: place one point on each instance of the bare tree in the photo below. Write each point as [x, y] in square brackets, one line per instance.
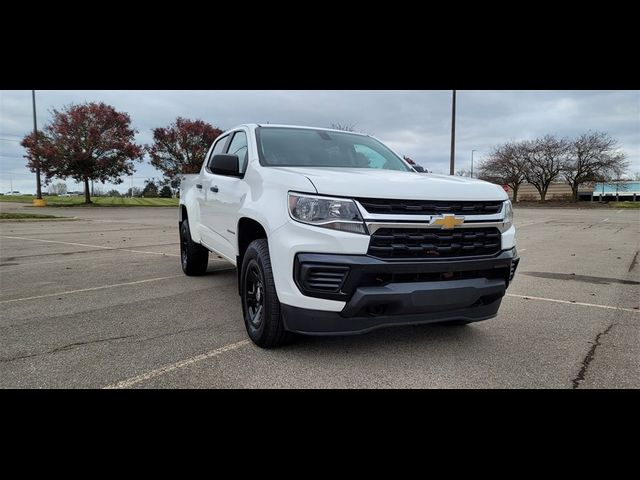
[57, 188]
[505, 165]
[97, 191]
[591, 157]
[545, 160]
[344, 126]
[137, 191]
[463, 173]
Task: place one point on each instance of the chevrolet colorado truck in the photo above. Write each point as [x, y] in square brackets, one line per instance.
[334, 233]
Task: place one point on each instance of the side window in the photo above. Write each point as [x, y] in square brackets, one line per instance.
[218, 148]
[238, 146]
[366, 154]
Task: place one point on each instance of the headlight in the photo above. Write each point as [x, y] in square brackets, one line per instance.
[507, 220]
[327, 212]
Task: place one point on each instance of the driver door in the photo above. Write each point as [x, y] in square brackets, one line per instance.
[209, 230]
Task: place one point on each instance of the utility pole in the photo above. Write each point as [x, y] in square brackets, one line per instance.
[35, 142]
[472, 162]
[453, 134]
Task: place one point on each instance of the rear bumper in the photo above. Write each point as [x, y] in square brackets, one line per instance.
[381, 293]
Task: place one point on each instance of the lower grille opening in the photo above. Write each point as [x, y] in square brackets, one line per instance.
[372, 280]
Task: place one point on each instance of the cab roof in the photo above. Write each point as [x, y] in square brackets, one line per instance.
[277, 125]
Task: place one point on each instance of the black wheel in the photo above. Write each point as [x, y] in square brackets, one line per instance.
[194, 257]
[260, 304]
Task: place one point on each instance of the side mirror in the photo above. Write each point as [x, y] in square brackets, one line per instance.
[418, 168]
[223, 164]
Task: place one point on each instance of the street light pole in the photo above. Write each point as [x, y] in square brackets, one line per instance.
[472, 162]
[453, 134]
[35, 142]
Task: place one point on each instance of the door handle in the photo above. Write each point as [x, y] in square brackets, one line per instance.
[214, 189]
[199, 186]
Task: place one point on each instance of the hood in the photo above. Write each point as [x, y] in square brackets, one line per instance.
[376, 183]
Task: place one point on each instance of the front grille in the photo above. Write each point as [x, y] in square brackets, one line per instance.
[421, 243]
[325, 278]
[428, 207]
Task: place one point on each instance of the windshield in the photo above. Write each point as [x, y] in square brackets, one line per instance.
[298, 147]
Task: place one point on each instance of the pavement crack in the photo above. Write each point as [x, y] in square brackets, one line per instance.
[589, 357]
[634, 262]
[63, 348]
[168, 334]
[581, 278]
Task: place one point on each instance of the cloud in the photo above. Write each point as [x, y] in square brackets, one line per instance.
[414, 123]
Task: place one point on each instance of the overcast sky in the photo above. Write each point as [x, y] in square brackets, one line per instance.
[414, 123]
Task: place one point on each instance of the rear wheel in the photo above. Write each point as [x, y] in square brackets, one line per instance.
[194, 257]
[260, 304]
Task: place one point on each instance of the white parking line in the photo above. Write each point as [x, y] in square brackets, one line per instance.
[91, 246]
[175, 366]
[522, 250]
[91, 289]
[605, 220]
[529, 297]
[531, 223]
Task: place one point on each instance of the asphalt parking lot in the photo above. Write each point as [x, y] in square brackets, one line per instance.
[101, 301]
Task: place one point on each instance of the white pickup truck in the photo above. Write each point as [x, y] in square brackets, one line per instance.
[334, 233]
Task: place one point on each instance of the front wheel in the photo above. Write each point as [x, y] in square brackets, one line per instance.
[260, 304]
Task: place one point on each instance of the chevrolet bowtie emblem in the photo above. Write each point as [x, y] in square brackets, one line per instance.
[447, 221]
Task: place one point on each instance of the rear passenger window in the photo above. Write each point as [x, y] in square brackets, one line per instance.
[218, 148]
[238, 147]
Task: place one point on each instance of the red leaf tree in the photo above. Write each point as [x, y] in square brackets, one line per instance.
[34, 155]
[182, 146]
[91, 141]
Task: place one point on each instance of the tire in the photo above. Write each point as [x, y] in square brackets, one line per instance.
[260, 304]
[193, 256]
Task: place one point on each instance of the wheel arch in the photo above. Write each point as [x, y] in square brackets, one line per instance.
[248, 230]
[182, 213]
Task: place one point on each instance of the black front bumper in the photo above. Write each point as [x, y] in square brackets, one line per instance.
[381, 293]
